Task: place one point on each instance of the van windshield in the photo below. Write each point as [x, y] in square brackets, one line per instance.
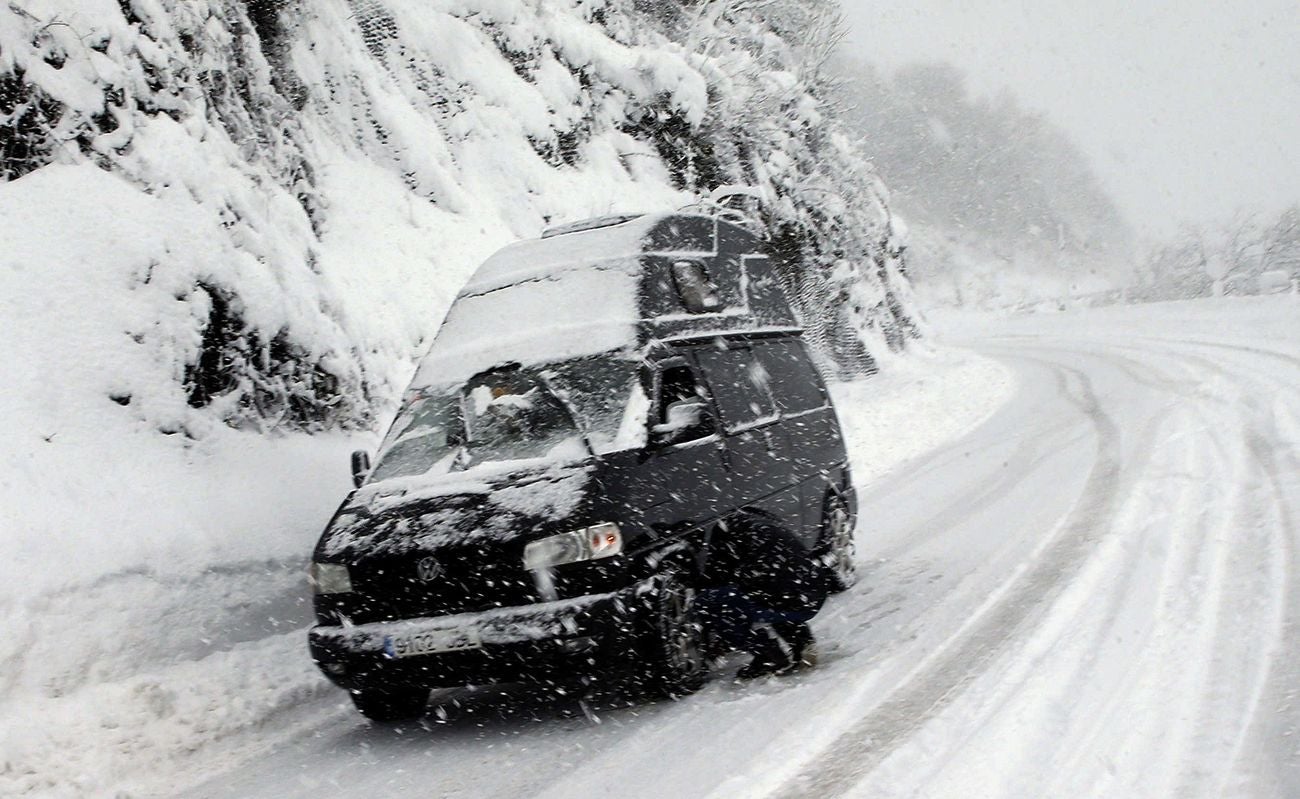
[558, 411]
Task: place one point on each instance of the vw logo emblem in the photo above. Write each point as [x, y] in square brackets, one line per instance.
[428, 569]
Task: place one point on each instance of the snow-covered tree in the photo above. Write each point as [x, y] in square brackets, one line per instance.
[1002, 204]
[1226, 259]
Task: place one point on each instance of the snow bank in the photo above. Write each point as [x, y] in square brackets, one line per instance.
[915, 406]
[169, 666]
[131, 517]
[104, 465]
[1276, 318]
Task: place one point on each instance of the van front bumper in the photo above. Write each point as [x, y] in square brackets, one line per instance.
[539, 642]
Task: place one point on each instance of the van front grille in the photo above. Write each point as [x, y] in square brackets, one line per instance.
[466, 580]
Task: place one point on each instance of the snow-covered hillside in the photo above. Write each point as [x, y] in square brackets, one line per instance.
[345, 163]
[222, 214]
[229, 227]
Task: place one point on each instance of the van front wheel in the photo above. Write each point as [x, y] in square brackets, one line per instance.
[673, 648]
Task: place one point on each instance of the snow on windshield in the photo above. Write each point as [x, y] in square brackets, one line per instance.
[554, 413]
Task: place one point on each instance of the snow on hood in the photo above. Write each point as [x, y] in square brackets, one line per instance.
[388, 519]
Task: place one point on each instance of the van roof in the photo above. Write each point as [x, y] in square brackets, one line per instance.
[607, 287]
[536, 259]
[588, 224]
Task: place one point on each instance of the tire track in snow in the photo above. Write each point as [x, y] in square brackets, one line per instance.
[1194, 660]
[1165, 718]
[1252, 549]
[1276, 731]
[1267, 732]
[1104, 662]
[1241, 731]
[1266, 756]
[865, 744]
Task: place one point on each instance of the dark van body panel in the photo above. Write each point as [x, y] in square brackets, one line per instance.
[443, 558]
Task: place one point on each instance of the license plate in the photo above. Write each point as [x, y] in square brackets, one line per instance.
[428, 643]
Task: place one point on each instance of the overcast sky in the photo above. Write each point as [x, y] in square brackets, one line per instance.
[1190, 109]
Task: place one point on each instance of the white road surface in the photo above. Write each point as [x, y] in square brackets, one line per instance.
[1094, 593]
[1091, 593]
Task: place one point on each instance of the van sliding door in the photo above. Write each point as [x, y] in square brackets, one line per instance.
[757, 450]
[817, 452]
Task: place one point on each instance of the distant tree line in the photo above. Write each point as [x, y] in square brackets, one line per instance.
[1252, 254]
[984, 176]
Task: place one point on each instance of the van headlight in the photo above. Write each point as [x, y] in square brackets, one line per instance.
[329, 578]
[589, 543]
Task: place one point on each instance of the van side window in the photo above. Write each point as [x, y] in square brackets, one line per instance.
[681, 411]
[740, 386]
[795, 382]
[698, 294]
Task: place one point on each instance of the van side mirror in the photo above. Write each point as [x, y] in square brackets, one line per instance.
[687, 420]
[360, 467]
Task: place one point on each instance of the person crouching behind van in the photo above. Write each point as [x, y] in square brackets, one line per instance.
[763, 590]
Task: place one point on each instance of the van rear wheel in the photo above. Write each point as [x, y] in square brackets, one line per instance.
[838, 546]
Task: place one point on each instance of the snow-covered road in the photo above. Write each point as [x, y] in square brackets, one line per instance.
[1091, 591]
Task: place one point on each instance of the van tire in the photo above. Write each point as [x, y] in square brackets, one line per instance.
[837, 549]
[673, 656]
[389, 705]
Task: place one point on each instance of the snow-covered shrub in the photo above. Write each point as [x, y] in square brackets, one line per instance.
[1224, 260]
[29, 117]
[177, 98]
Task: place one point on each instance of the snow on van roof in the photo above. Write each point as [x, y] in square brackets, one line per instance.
[587, 224]
[536, 258]
[542, 301]
[568, 295]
